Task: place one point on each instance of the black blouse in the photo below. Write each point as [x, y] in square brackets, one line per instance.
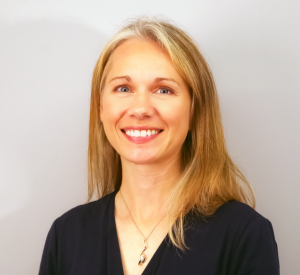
[236, 240]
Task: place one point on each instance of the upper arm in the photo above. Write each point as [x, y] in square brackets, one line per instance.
[255, 251]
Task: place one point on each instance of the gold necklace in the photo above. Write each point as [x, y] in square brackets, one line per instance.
[142, 256]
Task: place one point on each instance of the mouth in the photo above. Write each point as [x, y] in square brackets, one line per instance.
[141, 136]
[142, 130]
[141, 133]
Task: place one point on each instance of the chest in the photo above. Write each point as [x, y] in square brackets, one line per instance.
[131, 243]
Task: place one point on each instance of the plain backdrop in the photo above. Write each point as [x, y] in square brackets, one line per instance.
[48, 50]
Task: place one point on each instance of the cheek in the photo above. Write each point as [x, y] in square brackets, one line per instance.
[110, 117]
[111, 111]
[176, 115]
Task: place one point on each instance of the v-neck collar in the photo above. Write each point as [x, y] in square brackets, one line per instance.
[114, 259]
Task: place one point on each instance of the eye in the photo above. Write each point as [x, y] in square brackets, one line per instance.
[123, 89]
[166, 90]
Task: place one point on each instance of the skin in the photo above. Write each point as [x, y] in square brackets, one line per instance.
[149, 170]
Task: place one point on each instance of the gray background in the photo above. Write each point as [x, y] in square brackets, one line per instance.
[47, 53]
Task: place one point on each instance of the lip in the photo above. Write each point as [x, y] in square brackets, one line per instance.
[140, 140]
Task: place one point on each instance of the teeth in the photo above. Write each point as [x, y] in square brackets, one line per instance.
[143, 133]
[136, 133]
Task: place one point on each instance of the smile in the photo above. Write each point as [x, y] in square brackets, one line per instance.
[143, 136]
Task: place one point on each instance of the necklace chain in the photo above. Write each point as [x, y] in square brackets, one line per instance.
[145, 239]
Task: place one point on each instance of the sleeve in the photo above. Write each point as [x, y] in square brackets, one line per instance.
[255, 252]
[49, 256]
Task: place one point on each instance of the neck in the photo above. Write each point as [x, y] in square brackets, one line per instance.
[146, 189]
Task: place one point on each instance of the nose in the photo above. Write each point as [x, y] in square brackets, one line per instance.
[141, 106]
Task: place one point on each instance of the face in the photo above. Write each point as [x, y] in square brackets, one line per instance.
[145, 104]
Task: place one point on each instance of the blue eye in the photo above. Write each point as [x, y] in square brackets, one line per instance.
[165, 91]
[124, 89]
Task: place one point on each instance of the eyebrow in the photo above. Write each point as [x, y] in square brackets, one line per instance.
[157, 79]
[124, 76]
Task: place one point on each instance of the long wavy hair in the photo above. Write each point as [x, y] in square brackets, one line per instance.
[209, 177]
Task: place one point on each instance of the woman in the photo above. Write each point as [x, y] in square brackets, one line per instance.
[170, 199]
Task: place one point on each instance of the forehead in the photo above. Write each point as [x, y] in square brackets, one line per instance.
[138, 46]
[141, 55]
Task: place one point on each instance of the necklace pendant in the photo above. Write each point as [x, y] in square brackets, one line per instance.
[142, 256]
[142, 259]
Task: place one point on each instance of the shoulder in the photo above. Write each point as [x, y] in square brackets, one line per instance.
[86, 214]
[241, 215]
[237, 214]
[244, 225]
[251, 239]
[82, 228]
[234, 219]
[236, 211]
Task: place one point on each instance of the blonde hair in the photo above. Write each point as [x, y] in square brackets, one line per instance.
[209, 177]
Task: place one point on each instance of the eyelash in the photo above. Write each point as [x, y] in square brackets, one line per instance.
[167, 88]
